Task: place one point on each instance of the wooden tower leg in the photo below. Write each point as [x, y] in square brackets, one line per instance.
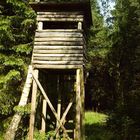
[78, 106]
[33, 107]
[82, 105]
[44, 111]
[59, 104]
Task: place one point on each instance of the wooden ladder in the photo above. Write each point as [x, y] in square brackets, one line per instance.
[11, 131]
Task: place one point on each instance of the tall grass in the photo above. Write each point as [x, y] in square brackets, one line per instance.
[95, 127]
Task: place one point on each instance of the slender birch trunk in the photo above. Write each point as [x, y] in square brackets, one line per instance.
[11, 131]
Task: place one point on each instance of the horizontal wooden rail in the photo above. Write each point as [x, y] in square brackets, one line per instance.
[60, 19]
[58, 51]
[60, 13]
[58, 39]
[58, 58]
[58, 34]
[63, 43]
[60, 30]
[59, 16]
[57, 55]
[45, 47]
[57, 66]
[58, 62]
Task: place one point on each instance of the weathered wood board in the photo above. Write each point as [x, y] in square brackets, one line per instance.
[63, 48]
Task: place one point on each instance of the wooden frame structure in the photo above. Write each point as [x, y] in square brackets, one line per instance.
[60, 44]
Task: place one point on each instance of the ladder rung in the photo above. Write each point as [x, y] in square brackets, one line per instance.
[70, 121]
[69, 131]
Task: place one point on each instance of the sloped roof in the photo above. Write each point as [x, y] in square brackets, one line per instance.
[83, 6]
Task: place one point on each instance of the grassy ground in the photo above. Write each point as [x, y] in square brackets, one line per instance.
[95, 127]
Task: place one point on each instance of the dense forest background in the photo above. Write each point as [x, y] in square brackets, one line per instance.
[113, 84]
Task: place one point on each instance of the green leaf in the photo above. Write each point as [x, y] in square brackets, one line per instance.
[23, 48]
[13, 61]
[12, 75]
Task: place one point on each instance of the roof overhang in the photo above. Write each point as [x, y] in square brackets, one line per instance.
[83, 6]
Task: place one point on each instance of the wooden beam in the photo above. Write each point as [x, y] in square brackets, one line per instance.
[58, 34]
[55, 31]
[58, 104]
[58, 51]
[65, 114]
[57, 55]
[57, 66]
[37, 0]
[82, 104]
[13, 126]
[60, 13]
[58, 39]
[78, 106]
[33, 106]
[57, 16]
[49, 103]
[57, 62]
[79, 25]
[53, 58]
[60, 30]
[38, 47]
[44, 111]
[40, 25]
[56, 42]
[60, 19]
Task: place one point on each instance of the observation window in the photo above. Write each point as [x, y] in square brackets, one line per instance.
[59, 25]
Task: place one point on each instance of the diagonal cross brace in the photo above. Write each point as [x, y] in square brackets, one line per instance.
[64, 116]
[50, 104]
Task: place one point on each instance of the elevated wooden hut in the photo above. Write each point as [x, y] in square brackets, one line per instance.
[58, 61]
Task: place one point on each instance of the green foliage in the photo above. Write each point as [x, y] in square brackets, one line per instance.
[43, 136]
[123, 62]
[99, 43]
[7, 99]
[12, 75]
[113, 63]
[23, 48]
[23, 110]
[40, 135]
[17, 24]
[95, 118]
[113, 55]
[95, 127]
[4, 125]
[1, 136]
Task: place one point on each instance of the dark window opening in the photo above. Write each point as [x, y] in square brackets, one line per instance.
[59, 25]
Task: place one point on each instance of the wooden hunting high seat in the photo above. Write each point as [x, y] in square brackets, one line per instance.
[59, 50]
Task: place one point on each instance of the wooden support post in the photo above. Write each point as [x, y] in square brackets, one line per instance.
[44, 111]
[40, 25]
[82, 104]
[64, 115]
[49, 103]
[78, 106]
[79, 25]
[33, 107]
[59, 104]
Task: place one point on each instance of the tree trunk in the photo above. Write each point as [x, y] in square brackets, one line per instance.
[11, 131]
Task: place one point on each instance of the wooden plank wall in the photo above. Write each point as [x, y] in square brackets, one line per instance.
[58, 48]
[60, 16]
